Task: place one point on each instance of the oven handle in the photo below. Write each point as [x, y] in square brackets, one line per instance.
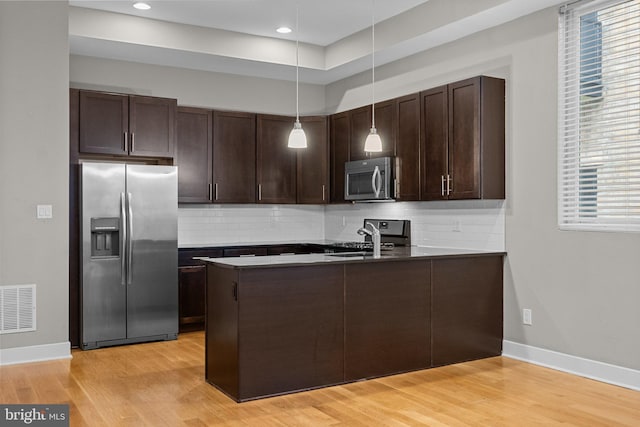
[376, 181]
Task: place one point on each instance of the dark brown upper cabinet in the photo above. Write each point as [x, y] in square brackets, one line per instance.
[127, 125]
[339, 153]
[194, 155]
[313, 162]
[234, 157]
[463, 140]
[434, 141]
[359, 126]
[216, 156]
[276, 163]
[407, 167]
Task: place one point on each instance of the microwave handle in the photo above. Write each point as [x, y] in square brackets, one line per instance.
[376, 181]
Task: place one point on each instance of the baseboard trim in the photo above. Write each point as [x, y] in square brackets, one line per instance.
[600, 371]
[35, 353]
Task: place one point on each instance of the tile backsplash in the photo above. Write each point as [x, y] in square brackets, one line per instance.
[228, 224]
[469, 224]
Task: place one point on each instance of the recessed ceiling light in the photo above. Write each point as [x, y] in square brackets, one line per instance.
[141, 6]
[284, 30]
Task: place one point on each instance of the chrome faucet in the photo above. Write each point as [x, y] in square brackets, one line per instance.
[375, 237]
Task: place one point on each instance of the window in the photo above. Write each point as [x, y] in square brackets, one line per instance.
[599, 116]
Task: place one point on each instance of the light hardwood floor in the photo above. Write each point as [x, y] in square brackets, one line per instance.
[162, 384]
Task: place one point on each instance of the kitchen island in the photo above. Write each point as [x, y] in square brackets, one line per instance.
[279, 324]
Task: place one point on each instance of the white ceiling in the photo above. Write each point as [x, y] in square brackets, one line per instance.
[322, 22]
[239, 37]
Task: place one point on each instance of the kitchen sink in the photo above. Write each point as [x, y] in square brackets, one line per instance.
[357, 254]
[349, 254]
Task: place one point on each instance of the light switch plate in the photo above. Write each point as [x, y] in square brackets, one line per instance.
[44, 212]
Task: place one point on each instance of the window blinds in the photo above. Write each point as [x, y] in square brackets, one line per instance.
[599, 116]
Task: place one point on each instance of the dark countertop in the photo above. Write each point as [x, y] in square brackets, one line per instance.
[254, 244]
[399, 253]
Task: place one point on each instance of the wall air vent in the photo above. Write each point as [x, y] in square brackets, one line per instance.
[17, 308]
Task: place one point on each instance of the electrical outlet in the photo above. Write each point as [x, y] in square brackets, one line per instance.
[526, 316]
[457, 226]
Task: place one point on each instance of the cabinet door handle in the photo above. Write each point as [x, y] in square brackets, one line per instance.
[126, 142]
[259, 192]
[449, 184]
[210, 193]
[133, 142]
[323, 193]
[442, 185]
[234, 291]
[215, 197]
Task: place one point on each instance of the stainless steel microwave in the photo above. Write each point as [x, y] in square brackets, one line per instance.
[369, 180]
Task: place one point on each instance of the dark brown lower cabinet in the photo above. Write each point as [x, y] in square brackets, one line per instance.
[466, 318]
[274, 330]
[191, 284]
[386, 318]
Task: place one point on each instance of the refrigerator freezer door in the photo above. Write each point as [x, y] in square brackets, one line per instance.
[103, 292]
[152, 302]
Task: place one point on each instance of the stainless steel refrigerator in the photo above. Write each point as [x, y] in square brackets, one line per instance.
[129, 265]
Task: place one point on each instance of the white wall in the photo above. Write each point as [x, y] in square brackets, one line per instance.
[211, 225]
[34, 162]
[196, 88]
[583, 287]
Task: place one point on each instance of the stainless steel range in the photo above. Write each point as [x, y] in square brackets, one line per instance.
[396, 231]
[362, 246]
[393, 233]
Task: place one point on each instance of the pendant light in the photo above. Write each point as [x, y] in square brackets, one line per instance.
[297, 137]
[373, 143]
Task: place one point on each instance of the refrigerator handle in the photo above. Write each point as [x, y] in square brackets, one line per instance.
[130, 238]
[123, 240]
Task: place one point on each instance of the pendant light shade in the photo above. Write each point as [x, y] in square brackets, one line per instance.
[297, 137]
[373, 143]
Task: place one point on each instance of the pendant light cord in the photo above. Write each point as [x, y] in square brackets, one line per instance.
[297, 63]
[373, 64]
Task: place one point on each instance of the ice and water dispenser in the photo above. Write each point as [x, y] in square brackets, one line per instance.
[105, 237]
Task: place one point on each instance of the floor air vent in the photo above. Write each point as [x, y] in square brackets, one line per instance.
[17, 308]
